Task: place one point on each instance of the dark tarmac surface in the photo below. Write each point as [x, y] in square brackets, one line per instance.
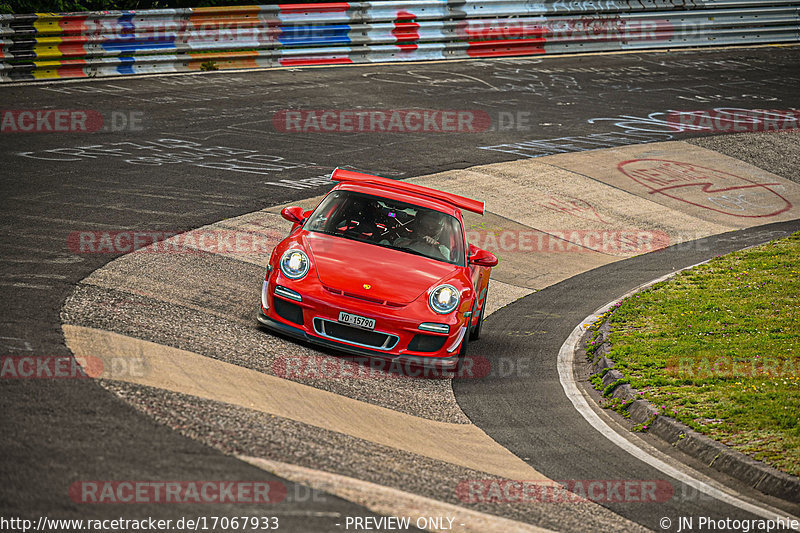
[206, 147]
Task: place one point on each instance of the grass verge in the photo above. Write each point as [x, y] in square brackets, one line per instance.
[718, 348]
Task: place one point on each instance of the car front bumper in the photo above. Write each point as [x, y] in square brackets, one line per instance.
[444, 363]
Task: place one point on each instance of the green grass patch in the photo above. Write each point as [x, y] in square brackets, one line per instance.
[718, 348]
[618, 405]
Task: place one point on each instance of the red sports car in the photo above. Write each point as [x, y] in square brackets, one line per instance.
[380, 268]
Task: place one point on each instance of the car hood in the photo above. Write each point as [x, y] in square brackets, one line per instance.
[391, 275]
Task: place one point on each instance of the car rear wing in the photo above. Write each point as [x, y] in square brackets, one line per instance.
[461, 202]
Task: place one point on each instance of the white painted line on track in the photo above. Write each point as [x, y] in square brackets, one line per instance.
[566, 356]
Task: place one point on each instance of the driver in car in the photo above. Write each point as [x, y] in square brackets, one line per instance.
[427, 237]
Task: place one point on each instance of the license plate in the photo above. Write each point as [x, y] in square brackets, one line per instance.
[355, 320]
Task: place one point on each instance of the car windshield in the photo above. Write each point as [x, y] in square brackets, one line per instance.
[391, 224]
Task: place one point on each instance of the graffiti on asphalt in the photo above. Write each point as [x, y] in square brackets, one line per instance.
[657, 126]
[707, 188]
[170, 152]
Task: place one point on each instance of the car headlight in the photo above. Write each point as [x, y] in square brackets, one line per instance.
[295, 263]
[444, 299]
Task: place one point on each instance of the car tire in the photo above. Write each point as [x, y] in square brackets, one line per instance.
[475, 331]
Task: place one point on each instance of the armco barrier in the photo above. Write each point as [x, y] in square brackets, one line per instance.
[113, 43]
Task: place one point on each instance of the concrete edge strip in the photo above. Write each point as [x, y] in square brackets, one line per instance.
[566, 357]
[186, 372]
[387, 501]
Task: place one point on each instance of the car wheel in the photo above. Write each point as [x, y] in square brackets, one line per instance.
[475, 331]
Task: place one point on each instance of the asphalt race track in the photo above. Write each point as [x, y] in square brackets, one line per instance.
[185, 152]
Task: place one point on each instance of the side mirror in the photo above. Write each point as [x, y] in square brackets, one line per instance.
[481, 257]
[293, 214]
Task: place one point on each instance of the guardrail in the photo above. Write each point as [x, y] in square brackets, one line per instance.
[114, 43]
